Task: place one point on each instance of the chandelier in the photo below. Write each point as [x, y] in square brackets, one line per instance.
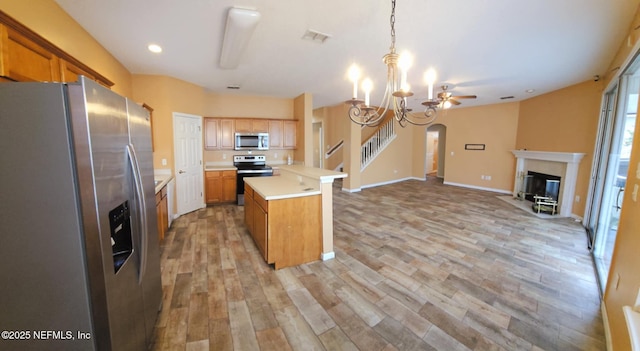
[396, 92]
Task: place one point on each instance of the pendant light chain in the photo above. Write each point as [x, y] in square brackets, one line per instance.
[393, 26]
[396, 92]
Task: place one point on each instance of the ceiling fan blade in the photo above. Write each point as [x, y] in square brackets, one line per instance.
[454, 101]
[465, 97]
[444, 95]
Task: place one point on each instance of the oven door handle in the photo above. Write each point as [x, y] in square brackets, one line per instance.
[253, 171]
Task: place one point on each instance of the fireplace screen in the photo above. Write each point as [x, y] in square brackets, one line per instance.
[540, 184]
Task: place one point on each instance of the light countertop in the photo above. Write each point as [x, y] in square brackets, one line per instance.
[161, 180]
[274, 188]
[323, 175]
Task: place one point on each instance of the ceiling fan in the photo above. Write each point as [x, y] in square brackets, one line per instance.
[446, 96]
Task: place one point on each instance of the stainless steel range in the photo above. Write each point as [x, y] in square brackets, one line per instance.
[249, 166]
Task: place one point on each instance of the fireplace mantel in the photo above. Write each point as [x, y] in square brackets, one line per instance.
[566, 157]
[571, 160]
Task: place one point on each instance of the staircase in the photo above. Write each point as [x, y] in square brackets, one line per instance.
[371, 148]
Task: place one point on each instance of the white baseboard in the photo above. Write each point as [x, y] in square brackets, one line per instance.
[325, 256]
[605, 322]
[501, 191]
[391, 182]
[352, 190]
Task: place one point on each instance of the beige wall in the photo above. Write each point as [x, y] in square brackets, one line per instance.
[492, 125]
[46, 18]
[167, 95]
[217, 105]
[395, 162]
[303, 112]
[334, 131]
[564, 120]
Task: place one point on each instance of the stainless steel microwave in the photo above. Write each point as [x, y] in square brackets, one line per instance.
[252, 141]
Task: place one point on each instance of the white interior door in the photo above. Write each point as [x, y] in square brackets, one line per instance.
[187, 143]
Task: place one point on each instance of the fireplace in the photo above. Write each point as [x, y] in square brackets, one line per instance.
[563, 165]
[541, 184]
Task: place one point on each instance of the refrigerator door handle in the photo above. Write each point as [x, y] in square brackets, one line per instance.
[137, 178]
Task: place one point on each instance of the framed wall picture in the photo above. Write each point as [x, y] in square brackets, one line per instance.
[474, 146]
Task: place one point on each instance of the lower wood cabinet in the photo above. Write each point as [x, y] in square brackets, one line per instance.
[287, 232]
[220, 186]
[163, 213]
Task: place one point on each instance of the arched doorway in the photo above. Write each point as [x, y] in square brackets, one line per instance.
[436, 145]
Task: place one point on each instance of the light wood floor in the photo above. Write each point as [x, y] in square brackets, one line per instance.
[419, 266]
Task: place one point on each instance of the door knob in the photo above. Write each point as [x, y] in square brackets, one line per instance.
[181, 171]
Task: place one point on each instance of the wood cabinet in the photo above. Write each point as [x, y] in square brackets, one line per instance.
[275, 134]
[289, 134]
[162, 212]
[211, 133]
[150, 110]
[248, 207]
[227, 134]
[287, 232]
[220, 186]
[249, 125]
[26, 56]
[219, 133]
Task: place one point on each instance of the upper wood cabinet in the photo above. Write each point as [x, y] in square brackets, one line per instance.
[275, 134]
[248, 125]
[150, 110]
[227, 134]
[25, 56]
[211, 133]
[219, 133]
[289, 134]
[24, 60]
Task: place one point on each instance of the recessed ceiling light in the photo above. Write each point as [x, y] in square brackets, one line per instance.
[155, 48]
[529, 91]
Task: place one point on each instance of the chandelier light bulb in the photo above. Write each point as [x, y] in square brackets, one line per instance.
[367, 86]
[404, 62]
[396, 92]
[354, 75]
[430, 79]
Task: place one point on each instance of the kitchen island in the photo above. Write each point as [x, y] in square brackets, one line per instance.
[290, 216]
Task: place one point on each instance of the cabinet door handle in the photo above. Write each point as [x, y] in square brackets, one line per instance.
[181, 171]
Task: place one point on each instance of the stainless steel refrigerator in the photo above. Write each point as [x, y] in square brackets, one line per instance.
[79, 252]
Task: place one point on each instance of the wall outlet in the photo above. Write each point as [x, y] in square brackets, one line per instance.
[224, 156]
[482, 177]
[164, 161]
[577, 198]
[275, 155]
[487, 177]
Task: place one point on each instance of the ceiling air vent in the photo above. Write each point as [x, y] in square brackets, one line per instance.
[507, 97]
[315, 36]
[233, 87]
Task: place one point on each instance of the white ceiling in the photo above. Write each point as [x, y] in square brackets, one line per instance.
[490, 48]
